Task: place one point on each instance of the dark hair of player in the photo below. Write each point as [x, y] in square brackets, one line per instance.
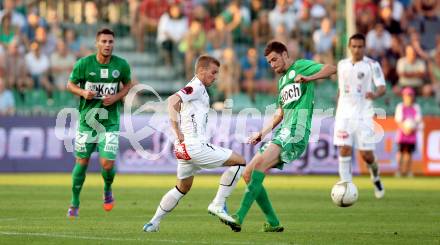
[106, 31]
[205, 60]
[275, 46]
[357, 36]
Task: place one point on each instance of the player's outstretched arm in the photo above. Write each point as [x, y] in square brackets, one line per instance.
[174, 105]
[76, 90]
[277, 118]
[326, 71]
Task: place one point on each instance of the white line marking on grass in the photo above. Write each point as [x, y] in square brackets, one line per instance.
[7, 233]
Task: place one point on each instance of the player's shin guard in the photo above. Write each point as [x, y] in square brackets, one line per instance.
[167, 204]
[345, 169]
[266, 206]
[252, 192]
[78, 177]
[108, 176]
[228, 181]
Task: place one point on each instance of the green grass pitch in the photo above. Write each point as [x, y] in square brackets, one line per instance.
[33, 209]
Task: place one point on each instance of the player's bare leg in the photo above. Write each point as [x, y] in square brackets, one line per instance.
[108, 174]
[345, 172]
[168, 203]
[78, 178]
[369, 158]
[228, 182]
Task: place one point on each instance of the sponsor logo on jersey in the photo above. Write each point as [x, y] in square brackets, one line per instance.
[290, 93]
[342, 134]
[360, 75]
[115, 73]
[291, 74]
[104, 73]
[92, 74]
[187, 90]
[102, 89]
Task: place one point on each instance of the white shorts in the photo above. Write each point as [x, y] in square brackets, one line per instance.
[203, 156]
[357, 133]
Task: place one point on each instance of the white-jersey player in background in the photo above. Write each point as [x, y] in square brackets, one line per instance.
[192, 147]
[354, 124]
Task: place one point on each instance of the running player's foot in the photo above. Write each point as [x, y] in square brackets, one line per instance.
[72, 212]
[219, 211]
[379, 190]
[109, 201]
[233, 222]
[268, 228]
[150, 227]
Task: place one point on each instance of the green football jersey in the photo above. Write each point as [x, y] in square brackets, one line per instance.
[104, 79]
[296, 99]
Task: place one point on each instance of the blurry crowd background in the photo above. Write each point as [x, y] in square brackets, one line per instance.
[40, 40]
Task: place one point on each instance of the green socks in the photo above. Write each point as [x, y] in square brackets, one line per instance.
[78, 177]
[266, 206]
[251, 193]
[108, 176]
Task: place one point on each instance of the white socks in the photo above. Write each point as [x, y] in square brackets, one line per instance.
[345, 169]
[228, 181]
[167, 204]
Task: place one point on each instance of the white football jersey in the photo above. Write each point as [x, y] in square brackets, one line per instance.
[354, 81]
[194, 111]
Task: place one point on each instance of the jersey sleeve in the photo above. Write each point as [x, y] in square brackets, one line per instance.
[77, 74]
[127, 73]
[188, 93]
[418, 113]
[378, 77]
[310, 67]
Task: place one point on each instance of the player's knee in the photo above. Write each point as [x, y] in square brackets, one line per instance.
[82, 161]
[368, 157]
[184, 188]
[345, 151]
[107, 165]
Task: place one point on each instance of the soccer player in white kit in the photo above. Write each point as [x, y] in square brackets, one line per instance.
[354, 125]
[192, 148]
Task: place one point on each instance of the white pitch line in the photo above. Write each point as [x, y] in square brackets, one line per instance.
[6, 233]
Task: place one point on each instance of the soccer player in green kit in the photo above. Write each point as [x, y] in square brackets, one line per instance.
[295, 109]
[96, 79]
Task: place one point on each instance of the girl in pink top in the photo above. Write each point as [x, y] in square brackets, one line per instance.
[408, 117]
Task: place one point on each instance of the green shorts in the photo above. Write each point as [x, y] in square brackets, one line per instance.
[88, 140]
[292, 147]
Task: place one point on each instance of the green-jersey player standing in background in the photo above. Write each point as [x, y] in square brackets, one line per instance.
[295, 110]
[96, 79]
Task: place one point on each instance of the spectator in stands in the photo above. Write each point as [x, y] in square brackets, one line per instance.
[396, 51]
[33, 22]
[324, 40]
[414, 39]
[261, 29]
[150, 12]
[15, 64]
[192, 46]
[219, 38]
[256, 6]
[133, 9]
[237, 19]
[214, 7]
[281, 15]
[318, 11]
[378, 41]
[408, 117]
[427, 24]
[434, 73]
[46, 40]
[61, 65]
[7, 31]
[390, 24]
[7, 102]
[73, 43]
[395, 6]
[304, 33]
[229, 74]
[173, 26]
[411, 70]
[199, 13]
[255, 69]
[17, 19]
[38, 66]
[365, 12]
